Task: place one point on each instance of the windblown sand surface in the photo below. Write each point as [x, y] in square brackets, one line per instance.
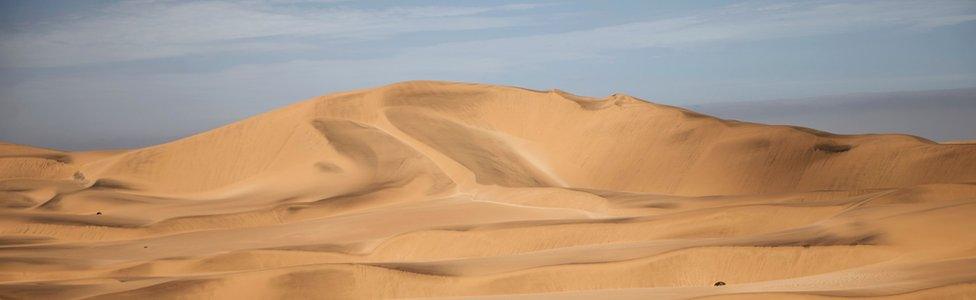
[432, 189]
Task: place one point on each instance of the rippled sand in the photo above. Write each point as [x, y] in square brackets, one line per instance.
[435, 189]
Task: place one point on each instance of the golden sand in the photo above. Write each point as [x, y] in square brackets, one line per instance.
[436, 189]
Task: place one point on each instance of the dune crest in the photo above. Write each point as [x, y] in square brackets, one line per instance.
[439, 189]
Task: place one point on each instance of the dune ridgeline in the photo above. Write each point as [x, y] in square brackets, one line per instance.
[435, 189]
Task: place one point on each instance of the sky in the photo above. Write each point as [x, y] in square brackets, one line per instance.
[108, 74]
[939, 115]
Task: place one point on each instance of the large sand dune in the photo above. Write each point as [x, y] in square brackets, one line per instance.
[433, 189]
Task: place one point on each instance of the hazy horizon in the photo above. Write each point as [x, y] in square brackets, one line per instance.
[939, 115]
[947, 118]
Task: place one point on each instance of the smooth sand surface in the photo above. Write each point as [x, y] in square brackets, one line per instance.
[453, 190]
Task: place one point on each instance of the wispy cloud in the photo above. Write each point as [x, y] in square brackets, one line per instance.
[736, 23]
[158, 29]
[149, 29]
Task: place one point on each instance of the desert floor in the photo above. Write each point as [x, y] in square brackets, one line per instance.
[436, 189]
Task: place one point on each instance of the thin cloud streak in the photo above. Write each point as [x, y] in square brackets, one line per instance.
[736, 23]
[150, 30]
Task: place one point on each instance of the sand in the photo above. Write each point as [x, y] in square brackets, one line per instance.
[437, 189]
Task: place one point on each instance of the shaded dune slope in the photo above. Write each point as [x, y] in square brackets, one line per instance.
[436, 189]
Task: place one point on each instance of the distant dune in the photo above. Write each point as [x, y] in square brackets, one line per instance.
[436, 189]
[941, 115]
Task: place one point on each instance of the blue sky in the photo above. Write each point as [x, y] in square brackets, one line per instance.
[119, 74]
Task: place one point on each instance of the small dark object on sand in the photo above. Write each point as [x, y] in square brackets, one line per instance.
[719, 283]
[99, 213]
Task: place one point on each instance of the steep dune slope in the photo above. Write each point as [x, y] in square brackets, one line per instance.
[435, 189]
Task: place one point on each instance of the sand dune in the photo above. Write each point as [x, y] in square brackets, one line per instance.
[435, 189]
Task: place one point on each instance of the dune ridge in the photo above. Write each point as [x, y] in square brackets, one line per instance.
[440, 189]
